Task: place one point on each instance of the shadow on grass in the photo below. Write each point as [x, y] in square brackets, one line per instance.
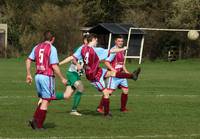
[49, 125]
[85, 112]
[90, 112]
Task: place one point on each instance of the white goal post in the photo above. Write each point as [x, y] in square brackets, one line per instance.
[4, 31]
[142, 41]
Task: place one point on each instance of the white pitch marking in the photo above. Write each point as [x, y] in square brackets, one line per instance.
[113, 137]
[161, 95]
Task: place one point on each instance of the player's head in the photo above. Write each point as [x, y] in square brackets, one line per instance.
[119, 41]
[85, 39]
[49, 36]
[92, 40]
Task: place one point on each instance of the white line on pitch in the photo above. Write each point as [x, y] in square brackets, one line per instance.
[113, 95]
[113, 137]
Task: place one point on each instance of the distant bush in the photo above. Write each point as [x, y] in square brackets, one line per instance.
[65, 22]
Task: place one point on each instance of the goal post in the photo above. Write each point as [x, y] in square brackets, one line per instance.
[143, 38]
[3, 38]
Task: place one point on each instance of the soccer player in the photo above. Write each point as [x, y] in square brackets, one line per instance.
[115, 62]
[74, 83]
[91, 57]
[45, 57]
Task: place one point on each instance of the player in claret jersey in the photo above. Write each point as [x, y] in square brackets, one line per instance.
[92, 56]
[115, 62]
[45, 57]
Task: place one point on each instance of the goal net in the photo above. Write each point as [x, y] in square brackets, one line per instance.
[169, 44]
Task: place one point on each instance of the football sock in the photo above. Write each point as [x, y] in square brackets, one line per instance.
[124, 99]
[101, 103]
[59, 96]
[36, 112]
[39, 117]
[106, 103]
[124, 75]
[77, 99]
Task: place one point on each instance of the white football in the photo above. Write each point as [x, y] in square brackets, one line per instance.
[193, 35]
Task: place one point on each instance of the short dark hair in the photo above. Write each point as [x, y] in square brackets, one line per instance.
[119, 37]
[85, 36]
[48, 35]
[91, 36]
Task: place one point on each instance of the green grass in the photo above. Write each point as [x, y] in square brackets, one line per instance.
[163, 103]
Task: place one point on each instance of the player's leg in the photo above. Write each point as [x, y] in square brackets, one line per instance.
[74, 81]
[42, 113]
[124, 95]
[72, 78]
[68, 92]
[39, 115]
[123, 85]
[100, 85]
[48, 94]
[100, 106]
[45, 86]
[77, 97]
[124, 99]
[133, 75]
[39, 102]
[111, 87]
[60, 95]
[106, 102]
[106, 94]
[33, 122]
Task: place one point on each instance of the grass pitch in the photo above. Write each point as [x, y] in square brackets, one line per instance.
[164, 103]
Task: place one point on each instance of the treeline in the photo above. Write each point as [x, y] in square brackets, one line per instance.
[27, 19]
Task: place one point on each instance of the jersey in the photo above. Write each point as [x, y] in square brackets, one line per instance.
[44, 55]
[91, 58]
[116, 60]
[73, 67]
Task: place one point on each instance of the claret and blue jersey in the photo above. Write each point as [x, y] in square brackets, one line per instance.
[44, 55]
[91, 57]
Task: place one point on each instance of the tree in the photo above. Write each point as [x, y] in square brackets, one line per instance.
[98, 11]
[185, 14]
[64, 21]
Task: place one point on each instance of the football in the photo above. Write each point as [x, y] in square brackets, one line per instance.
[193, 35]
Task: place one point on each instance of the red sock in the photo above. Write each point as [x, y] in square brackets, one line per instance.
[124, 98]
[101, 103]
[41, 118]
[36, 112]
[124, 75]
[106, 103]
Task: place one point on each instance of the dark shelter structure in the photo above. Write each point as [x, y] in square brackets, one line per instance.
[106, 34]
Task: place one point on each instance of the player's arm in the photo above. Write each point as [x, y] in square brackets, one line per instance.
[79, 66]
[57, 71]
[109, 66]
[116, 50]
[77, 56]
[29, 78]
[29, 60]
[66, 60]
[54, 63]
[125, 69]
